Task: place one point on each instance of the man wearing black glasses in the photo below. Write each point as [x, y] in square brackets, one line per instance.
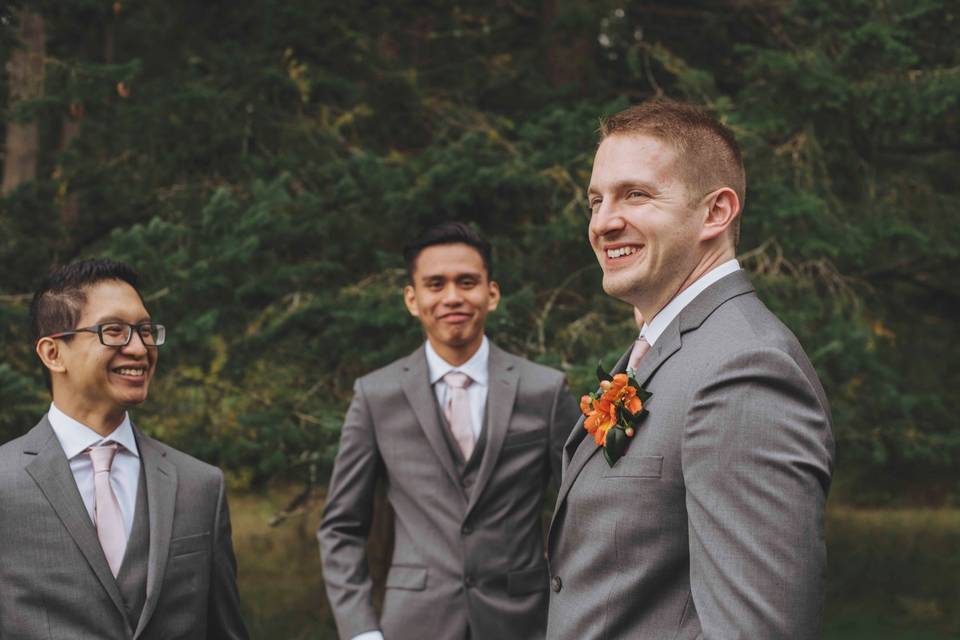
[107, 533]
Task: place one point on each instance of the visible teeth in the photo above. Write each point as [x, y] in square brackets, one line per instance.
[130, 372]
[622, 251]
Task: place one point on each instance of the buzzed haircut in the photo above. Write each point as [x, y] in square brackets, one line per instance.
[707, 151]
[448, 233]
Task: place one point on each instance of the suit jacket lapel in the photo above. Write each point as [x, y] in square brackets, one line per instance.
[416, 387]
[51, 471]
[161, 479]
[579, 448]
[501, 393]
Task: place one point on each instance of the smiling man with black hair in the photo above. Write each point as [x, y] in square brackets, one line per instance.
[465, 437]
[106, 533]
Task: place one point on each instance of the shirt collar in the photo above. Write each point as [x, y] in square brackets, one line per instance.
[654, 329]
[475, 367]
[76, 437]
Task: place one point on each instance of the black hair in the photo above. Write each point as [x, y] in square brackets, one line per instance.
[448, 233]
[59, 300]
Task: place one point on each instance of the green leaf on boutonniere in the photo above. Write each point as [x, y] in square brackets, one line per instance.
[643, 394]
[626, 417]
[616, 445]
[602, 373]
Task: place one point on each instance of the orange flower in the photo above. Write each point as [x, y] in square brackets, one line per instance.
[585, 405]
[602, 412]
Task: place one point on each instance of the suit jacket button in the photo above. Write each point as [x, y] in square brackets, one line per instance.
[468, 582]
[556, 584]
[466, 530]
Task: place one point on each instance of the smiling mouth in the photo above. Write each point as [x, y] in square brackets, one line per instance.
[131, 372]
[455, 317]
[621, 252]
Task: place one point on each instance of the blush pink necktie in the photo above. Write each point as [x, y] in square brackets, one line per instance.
[457, 411]
[108, 518]
[640, 348]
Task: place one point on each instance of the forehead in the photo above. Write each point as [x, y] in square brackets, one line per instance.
[112, 299]
[448, 259]
[633, 157]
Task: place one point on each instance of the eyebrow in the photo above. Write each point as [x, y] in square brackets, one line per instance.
[108, 319]
[623, 185]
[456, 276]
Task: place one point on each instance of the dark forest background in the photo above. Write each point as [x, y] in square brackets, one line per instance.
[263, 162]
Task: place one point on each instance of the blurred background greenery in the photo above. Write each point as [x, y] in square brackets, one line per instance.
[262, 163]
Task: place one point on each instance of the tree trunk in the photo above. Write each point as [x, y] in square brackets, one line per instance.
[568, 52]
[26, 76]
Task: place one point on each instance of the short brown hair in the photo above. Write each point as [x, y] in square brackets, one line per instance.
[707, 151]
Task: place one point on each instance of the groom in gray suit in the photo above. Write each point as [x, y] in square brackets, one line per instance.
[710, 525]
[465, 437]
[107, 534]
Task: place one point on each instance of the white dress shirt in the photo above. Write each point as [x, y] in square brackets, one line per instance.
[652, 329]
[476, 368]
[75, 438]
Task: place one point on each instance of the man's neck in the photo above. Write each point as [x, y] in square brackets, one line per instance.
[708, 263]
[102, 420]
[456, 356]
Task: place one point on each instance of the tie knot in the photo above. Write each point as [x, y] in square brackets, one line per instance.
[102, 456]
[457, 380]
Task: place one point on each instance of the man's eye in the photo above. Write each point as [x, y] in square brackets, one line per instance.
[636, 194]
[113, 329]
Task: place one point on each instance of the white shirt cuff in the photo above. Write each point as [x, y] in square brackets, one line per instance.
[369, 635]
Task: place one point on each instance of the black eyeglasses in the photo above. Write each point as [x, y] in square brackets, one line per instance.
[119, 334]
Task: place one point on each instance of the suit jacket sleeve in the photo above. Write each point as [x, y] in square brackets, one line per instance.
[756, 459]
[563, 418]
[346, 522]
[223, 607]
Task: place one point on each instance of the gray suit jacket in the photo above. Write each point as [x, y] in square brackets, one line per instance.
[711, 524]
[55, 579]
[461, 556]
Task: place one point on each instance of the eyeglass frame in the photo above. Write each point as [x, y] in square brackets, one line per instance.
[134, 328]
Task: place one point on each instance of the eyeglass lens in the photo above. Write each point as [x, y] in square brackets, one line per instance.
[116, 334]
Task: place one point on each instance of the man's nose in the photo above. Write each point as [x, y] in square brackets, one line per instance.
[606, 219]
[136, 345]
[452, 294]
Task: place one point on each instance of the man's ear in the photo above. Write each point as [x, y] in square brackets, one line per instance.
[723, 207]
[410, 299]
[494, 289]
[49, 351]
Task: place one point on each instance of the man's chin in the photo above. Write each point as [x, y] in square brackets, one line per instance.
[130, 399]
[620, 286]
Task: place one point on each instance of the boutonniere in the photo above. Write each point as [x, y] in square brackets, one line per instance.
[614, 412]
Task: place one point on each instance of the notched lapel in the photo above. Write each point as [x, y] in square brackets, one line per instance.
[667, 344]
[416, 387]
[161, 478]
[575, 452]
[579, 433]
[51, 471]
[501, 397]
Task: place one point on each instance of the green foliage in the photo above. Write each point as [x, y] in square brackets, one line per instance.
[263, 163]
